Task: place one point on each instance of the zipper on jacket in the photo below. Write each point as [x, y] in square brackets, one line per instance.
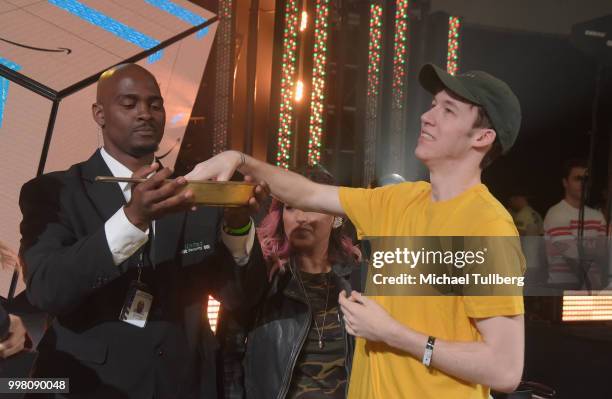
[294, 356]
[286, 380]
[346, 352]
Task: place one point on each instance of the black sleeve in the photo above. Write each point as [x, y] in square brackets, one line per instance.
[5, 323]
[238, 287]
[234, 285]
[232, 332]
[61, 268]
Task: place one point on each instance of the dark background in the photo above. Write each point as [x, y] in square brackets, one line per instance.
[555, 83]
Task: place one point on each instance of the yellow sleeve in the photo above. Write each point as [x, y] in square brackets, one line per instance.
[480, 307]
[372, 210]
[505, 247]
[357, 204]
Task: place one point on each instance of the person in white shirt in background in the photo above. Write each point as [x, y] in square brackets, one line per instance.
[561, 232]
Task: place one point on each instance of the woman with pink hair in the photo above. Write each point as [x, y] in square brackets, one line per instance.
[294, 345]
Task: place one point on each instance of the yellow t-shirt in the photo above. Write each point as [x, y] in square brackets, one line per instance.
[381, 372]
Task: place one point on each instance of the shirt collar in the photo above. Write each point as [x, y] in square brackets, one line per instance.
[117, 169]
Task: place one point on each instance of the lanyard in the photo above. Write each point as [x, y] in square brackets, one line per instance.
[146, 249]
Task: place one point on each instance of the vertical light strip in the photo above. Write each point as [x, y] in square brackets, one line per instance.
[395, 160]
[400, 56]
[373, 92]
[288, 69]
[374, 49]
[452, 55]
[224, 77]
[4, 85]
[317, 102]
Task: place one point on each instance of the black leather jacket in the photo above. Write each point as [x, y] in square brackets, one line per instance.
[276, 332]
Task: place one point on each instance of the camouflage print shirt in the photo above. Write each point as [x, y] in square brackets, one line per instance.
[320, 372]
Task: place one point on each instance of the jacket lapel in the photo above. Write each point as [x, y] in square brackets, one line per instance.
[169, 231]
[107, 198]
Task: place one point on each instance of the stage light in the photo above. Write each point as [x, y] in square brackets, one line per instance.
[223, 93]
[4, 85]
[299, 91]
[213, 312]
[452, 55]
[224, 77]
[317, 98]
[181, 13]
[373, 91]
[374, 49]
[109, 24]
[304, 21]
[400, 53]
[580, 307]
[287, 83]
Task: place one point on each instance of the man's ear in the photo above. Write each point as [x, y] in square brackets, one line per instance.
[97, 110]
[484, 137]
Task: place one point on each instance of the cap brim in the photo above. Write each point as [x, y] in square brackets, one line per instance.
[433, 78]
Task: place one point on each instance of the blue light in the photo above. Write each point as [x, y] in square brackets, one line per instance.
[4, 85]
[177, 118]
[109, 24]
[181, 13]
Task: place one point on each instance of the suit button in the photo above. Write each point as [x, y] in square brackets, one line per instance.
[160, 352]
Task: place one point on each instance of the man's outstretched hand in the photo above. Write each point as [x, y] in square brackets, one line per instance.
[221, 167]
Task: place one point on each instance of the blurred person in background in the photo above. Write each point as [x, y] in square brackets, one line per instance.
[527, 220]
[561, 226]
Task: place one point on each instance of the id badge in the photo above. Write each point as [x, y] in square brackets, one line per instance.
[137, 304]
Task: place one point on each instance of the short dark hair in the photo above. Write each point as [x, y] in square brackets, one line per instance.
[572, 163]
[483, 122]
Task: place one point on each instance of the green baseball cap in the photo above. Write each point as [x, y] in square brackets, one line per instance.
[480, 88]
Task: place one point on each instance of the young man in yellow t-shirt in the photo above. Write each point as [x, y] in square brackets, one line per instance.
[426, 347]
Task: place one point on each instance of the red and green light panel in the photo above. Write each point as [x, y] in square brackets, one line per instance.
[400, 49]
[452, 55]
[374, 49]
[288, 73]
[317, 101]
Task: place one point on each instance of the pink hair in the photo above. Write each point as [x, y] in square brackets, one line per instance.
[276, 247]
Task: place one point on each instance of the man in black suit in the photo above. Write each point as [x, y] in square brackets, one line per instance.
[94, 251]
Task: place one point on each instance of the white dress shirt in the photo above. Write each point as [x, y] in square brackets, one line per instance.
[124, 238]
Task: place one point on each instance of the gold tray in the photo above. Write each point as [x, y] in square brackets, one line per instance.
[211, 193]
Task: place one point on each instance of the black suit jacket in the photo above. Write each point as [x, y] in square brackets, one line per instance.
[71, 275]
[5, 323]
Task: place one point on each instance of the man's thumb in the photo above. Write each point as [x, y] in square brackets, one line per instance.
[145, 171]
